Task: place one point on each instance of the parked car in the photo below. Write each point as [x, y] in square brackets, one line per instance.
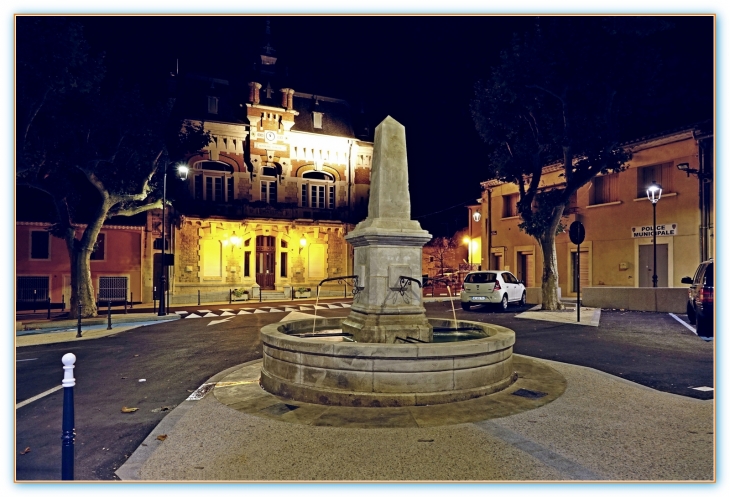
[701, 298]
[492, 287]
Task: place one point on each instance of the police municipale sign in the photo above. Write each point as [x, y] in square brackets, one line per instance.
[647, 231]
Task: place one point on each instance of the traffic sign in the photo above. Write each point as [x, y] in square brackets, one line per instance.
[577, 232]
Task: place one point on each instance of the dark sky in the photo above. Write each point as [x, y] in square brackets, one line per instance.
[418, 69]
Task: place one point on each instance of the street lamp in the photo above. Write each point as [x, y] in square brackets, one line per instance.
[654, 193]
[467, 242]
[182, 171]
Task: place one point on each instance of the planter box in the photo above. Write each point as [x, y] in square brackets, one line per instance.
[243, 297]
[302, 295]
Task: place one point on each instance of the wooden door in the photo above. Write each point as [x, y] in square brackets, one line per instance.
[266, 262]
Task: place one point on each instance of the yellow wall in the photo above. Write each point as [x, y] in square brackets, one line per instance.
[608, 226]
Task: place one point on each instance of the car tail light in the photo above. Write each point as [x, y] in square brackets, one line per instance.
[496, 286]
[707, 296]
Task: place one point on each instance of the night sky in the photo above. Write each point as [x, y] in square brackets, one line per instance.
[418, 69]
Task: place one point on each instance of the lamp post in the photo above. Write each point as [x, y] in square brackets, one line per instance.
[161, 311]
[467, 242]
[182, 171]
[654, 193]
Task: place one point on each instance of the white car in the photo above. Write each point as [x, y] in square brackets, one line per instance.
[492, 287]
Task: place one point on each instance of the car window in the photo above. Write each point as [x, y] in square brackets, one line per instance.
[710, 275]
[481, 278]
[508, 278]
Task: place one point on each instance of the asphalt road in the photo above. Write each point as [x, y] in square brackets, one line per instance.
[175, 358]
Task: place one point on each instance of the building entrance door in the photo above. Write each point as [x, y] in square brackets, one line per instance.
[646, 263]
[584, 270]
[266, 262]
[526, 268]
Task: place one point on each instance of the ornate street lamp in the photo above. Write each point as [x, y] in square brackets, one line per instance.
[654, 193]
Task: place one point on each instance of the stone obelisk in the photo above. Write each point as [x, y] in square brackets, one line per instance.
[387, 246]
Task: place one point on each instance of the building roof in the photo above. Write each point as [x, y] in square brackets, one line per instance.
[702, 129]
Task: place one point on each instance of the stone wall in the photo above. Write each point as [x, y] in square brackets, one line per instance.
[187, 254]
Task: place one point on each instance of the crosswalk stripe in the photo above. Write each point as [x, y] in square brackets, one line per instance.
[226, 313]
[181, 313]
[210, 315]
[192, 316]
[243, 312]
[259, 311]
[275, 310]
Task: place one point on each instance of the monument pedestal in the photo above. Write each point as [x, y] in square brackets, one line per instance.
[388, 308]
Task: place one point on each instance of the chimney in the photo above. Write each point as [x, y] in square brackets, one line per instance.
[253, 92]
[287, 98]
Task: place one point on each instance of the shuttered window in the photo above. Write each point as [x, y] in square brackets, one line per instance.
[604, 189]
[661, 173]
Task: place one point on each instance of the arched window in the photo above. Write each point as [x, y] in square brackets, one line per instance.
[318, 190]
[213, 181]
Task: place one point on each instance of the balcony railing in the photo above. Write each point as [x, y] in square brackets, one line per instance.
[271, 211]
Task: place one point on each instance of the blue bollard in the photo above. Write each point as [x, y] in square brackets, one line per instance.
[69, 432]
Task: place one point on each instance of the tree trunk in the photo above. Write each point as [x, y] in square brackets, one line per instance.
[79, 253]
[82, 289]
[550, 299]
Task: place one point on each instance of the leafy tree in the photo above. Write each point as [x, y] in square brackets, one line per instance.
[560, 96]
[87, 142]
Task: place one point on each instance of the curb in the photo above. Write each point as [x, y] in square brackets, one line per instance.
[42, 327]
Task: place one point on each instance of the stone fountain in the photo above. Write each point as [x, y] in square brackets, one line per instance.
[393, 360]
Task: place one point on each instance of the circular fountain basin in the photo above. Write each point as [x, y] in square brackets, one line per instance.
[322, 371]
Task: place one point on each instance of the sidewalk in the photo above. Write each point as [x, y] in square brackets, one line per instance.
[592, 427]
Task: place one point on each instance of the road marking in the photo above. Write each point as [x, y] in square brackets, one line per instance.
[685, 324]
[218, 321]
[39, 396]
[703, 389]
[21, 360]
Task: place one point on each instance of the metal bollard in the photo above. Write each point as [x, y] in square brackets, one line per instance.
[63, 303]
[131, 300]
[68, 436]
[34, 296]
[49, 307]
[230, 296]
[198, 297]
[154, 299]
[78, 332]
[260, 296]
[109, 316]
[125, 305]
[167, 309]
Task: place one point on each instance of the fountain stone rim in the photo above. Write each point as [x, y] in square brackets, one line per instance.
[380, 374]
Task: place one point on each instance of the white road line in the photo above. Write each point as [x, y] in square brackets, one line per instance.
[21, 360]
[689, 327]
[39, 396]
